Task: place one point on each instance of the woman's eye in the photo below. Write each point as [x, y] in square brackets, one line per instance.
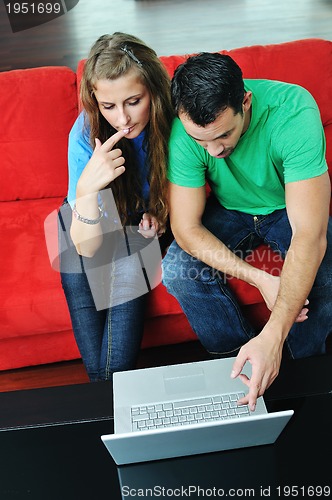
[107, 107]
[133, 103]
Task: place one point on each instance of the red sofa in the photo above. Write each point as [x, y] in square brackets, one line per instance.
[38, 107]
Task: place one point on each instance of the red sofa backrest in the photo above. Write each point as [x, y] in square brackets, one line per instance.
[305, 62]
[38, 107]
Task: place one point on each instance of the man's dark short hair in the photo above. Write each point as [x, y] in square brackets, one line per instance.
[205, 85]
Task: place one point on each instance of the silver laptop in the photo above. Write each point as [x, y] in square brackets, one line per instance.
[185, 409]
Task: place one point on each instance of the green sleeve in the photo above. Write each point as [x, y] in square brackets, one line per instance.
[301, 144]
[187, 159]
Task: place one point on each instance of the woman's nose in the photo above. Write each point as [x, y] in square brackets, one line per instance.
[123, 117]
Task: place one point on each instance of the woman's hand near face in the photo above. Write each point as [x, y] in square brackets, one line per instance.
[105, 165]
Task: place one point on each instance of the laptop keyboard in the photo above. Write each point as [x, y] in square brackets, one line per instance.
[189, 411]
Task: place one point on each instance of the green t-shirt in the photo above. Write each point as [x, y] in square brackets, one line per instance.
[284, 142]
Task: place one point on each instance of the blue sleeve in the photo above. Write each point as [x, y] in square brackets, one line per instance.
[79, 153]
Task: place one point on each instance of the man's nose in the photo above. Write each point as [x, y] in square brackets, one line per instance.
[215, 149]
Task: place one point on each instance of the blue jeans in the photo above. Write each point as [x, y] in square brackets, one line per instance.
[210, 305]
[108, 338]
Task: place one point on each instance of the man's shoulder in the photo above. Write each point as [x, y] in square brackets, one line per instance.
[177, 128]
[179, 136]
[184, 147]
[277, 91]
[252, 83]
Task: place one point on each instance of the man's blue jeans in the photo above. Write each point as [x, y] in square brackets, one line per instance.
[211, 307]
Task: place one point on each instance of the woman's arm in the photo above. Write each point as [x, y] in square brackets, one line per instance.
[105, 165]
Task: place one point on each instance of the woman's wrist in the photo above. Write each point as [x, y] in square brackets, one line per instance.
[88, 220]
[86, 208]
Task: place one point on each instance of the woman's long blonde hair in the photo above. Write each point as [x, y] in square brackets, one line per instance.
[110, 57]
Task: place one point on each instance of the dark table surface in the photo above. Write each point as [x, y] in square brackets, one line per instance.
[50, 447]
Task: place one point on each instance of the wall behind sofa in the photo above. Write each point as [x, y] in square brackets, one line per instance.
[169, 26]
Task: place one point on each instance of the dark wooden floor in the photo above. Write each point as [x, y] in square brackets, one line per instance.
[170, 27]
[73, 372]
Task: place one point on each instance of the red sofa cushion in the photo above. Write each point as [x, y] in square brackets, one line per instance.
[31, 298]
[38, 107]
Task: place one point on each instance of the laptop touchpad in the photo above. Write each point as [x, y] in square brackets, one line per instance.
[185, 378]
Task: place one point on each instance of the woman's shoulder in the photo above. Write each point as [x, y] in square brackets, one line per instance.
[81, 126]
[79, 134]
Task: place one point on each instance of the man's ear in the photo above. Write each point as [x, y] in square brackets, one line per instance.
[247, 101]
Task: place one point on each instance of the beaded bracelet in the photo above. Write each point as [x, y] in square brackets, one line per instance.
[85, 219]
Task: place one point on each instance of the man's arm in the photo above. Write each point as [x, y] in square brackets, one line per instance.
[308, 208]
[307, 205]
[187, 207]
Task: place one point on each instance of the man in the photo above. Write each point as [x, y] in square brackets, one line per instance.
[260, 146]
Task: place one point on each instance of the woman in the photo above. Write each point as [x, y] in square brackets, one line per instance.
[117, 195]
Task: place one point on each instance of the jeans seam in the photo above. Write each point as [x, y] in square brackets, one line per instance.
[289, 349]
[250, 245]
[109, 325]
[275, 247]
[225, 352]
[236, 307]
